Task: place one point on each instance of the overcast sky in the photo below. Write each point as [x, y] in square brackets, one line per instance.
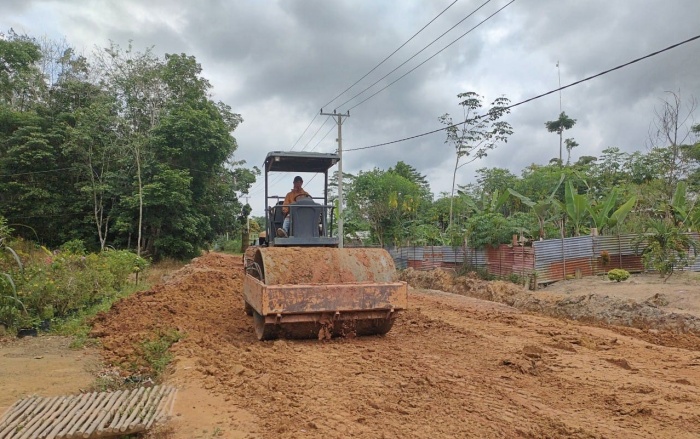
[277, 62]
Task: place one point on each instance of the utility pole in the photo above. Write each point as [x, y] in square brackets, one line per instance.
[339, 120]
[560, 111]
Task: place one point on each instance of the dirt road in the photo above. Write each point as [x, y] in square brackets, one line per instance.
[452, 366]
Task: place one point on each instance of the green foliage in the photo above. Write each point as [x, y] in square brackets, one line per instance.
[618, 275]
[665, 247]
[489, 230]
[74, 247]
[56, 286]
[576, 207]
[13, 312]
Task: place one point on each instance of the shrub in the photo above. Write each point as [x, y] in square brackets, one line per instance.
[59, 285]
[74, 246]
[618, 274]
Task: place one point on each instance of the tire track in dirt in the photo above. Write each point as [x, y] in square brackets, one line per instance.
[451, 367]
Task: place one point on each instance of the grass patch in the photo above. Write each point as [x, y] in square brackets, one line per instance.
[156, 351]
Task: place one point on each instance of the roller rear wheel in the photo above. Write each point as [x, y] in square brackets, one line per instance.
[264, 331]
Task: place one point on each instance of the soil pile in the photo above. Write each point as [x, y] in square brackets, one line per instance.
[591, 307]
[197, 300]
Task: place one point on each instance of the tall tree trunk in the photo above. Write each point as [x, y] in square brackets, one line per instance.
[98, 206]
[138, 172]
[452, 194]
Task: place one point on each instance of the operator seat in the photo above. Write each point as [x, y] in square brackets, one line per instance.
[277, 217]
[306, 218]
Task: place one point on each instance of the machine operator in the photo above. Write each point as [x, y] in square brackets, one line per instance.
[297, 192]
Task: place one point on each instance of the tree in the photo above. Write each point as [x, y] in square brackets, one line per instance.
[387, 202]
[93, 141]
[570, 145]
[672, 132]
[20, 78]
[558, 126]
[477, 134]
[411, 174]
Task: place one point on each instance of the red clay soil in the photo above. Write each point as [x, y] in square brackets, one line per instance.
[452, 366]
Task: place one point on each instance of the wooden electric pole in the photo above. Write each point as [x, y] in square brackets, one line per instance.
[339, 120]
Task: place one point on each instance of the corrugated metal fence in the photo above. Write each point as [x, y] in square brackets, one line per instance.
[545, 262]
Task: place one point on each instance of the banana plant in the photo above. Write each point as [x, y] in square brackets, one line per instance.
[576, 206]
[619, 215]
[682, 211]
[600, 213]
[543, 209]
[487, 205]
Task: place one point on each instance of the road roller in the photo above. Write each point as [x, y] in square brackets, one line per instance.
[299, 283]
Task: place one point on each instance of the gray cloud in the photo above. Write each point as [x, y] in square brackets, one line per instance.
[278, 62]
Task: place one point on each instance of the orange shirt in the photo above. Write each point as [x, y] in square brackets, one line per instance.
[291, 198]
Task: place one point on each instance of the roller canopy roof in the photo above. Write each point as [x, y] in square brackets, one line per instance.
[278, 161]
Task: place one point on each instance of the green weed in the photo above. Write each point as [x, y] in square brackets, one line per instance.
[156, 350]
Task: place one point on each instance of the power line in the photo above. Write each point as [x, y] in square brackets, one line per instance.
[431, 57]
[278, 178]
[536, 97]
[305, 130]
[316, 133]
[420, 51]
[37, 172]
[322, 138]
[391, 54]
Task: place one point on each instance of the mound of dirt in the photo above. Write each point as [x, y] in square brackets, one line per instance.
[437, 279]
[470, 285]
[591, 307]
[178, 304]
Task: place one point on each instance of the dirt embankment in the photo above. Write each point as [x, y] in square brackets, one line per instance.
[453, 366]
[594, 300]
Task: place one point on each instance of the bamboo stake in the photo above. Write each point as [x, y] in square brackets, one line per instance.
[158, 413]
[20, 416]
[103, 413]
[86, 415]
[29, 416]
[95, 411]
[39, 422]
[150, 406]
[38, 418]
[24, 404]
[103, 424]
[60, 429]
[107, 411]
[71, 426]
[51, 430]
[48, 419]
[9, 410]
[122, 414]
[136, 411]
[153, 410]
[118, 410]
